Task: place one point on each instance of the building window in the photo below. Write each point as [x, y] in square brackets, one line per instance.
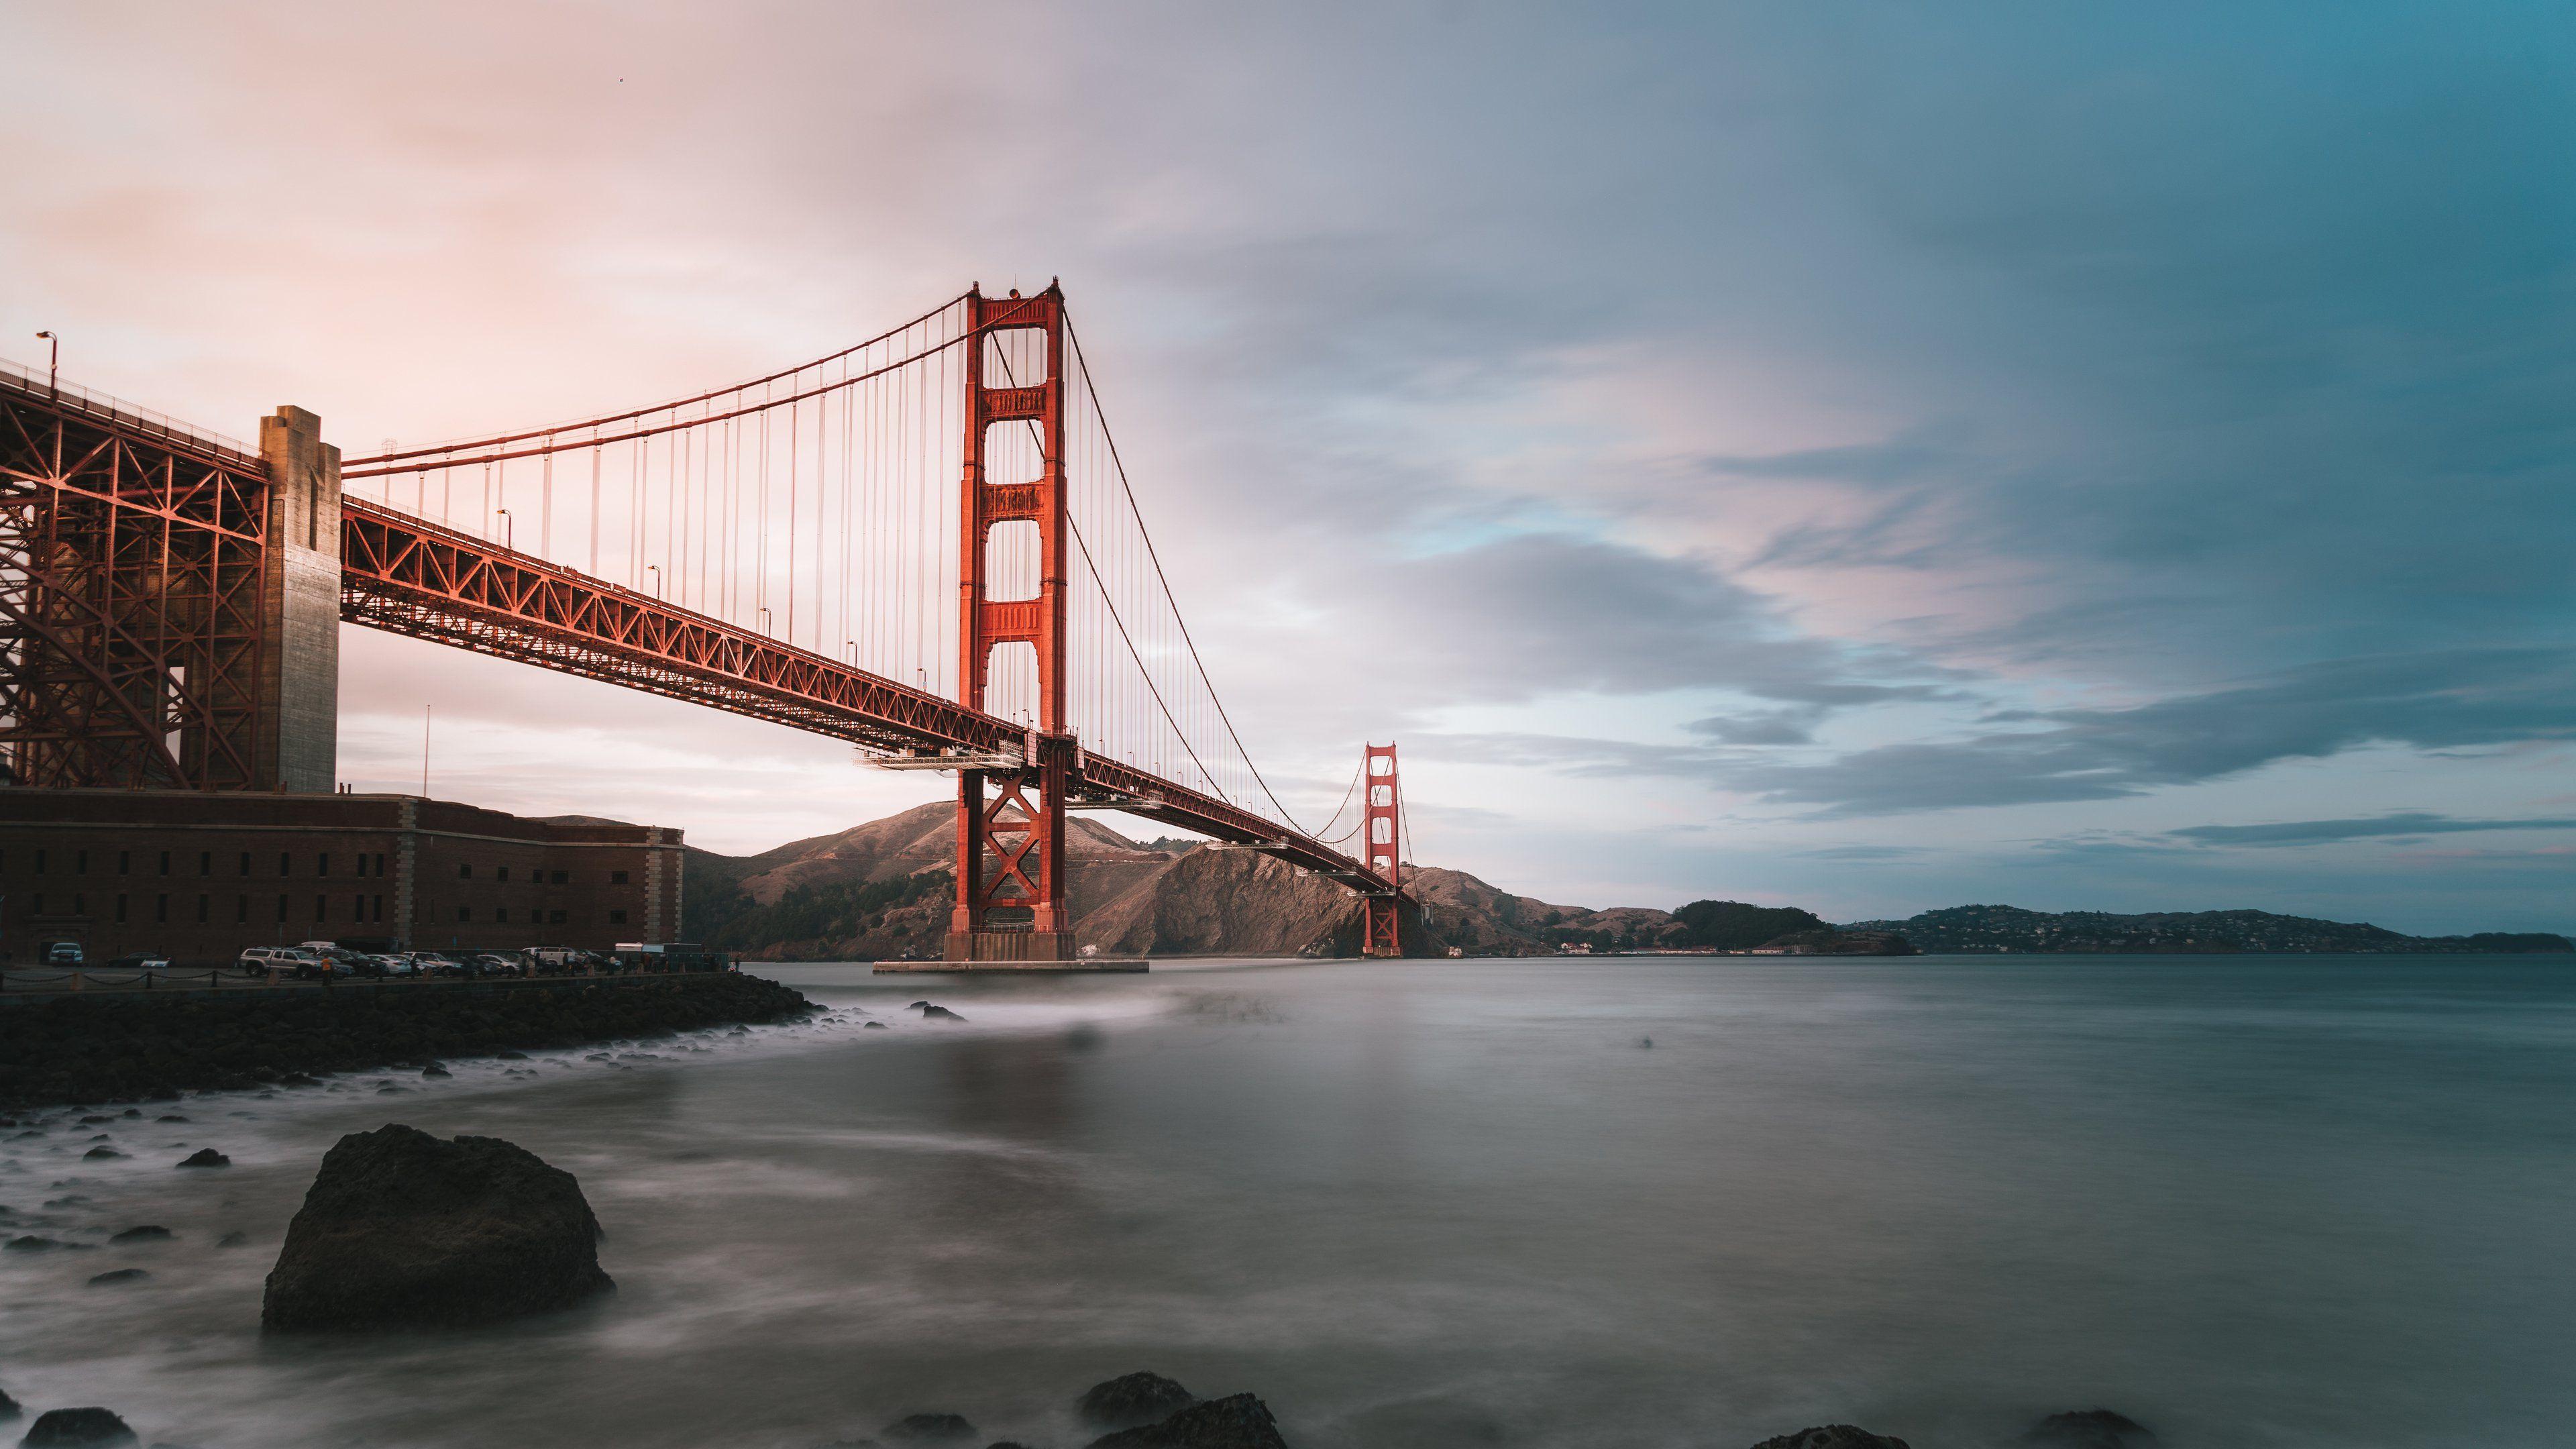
[120, 908]
[501, 915]
[617, 877]
[205, 862]
[281, 908]
[465, 913]
[245, 862]
[165, 862]
[205, 908]
[464, 871]
[321, 909]
[322, 864]
[161, 908]
[617, 918]
[559, 877]
[80, 863]
[40, 903]
[505, 873]
[80, 904]
[558, 918]
[241, 910]
[125, 862]
[40, 862]
[380, 862]
[380, 908]
[285, 865]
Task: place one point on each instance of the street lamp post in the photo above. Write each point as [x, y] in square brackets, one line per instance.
[657, 579]
[53, 365]
[509, 532]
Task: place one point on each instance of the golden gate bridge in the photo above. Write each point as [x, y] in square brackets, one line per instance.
[925, 544]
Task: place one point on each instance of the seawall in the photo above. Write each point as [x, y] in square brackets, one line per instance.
[136, 1046]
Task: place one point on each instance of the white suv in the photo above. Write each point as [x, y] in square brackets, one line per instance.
[273, 958]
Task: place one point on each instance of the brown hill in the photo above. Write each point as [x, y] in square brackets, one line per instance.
[882, 889]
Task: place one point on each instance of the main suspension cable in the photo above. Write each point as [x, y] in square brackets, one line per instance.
[1093, 389]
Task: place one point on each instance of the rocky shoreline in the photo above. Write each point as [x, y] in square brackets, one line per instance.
[130, 1047]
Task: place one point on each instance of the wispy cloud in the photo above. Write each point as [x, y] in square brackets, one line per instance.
[2409, 823]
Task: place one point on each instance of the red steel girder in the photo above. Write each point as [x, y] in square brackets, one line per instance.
[407, 575]
[131, 560]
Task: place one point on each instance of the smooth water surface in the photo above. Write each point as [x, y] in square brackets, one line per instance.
[2321, 1201]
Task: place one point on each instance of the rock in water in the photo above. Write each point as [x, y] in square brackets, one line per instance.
[1833, 1436]
[120, 1275]
[2088, 1429]
[929, 1429]
[148, 1233]
[1237, 1422]
[8, 1407]
[1132, 1399]
[77, 1429]
[206, 1157]
[939, 1013]
[403, 1230]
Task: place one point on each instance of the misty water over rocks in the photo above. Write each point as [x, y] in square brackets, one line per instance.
[2250, 1201]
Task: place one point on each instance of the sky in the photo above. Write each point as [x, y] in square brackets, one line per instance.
[1863, 457]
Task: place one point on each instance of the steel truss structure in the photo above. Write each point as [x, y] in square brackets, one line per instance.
[133, 558]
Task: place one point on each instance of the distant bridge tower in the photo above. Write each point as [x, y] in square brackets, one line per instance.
[1383, 822]
[1012, 907]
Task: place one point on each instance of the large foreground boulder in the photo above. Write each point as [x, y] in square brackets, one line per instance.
[1833, 1436]
[1132, 1399]
[403, 1230]
[1237, 1422]
[2089, 1429]
[77, 1429]
[930, 1429]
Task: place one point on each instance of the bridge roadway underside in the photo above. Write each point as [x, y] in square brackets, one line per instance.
[406, 575]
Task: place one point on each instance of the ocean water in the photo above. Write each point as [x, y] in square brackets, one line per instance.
[2306, 1202]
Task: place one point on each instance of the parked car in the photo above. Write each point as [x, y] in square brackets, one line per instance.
[395, 964]
[259, 959]
[494, 963]
[63, 953]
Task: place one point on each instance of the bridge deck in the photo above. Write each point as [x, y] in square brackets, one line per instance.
[407, 575]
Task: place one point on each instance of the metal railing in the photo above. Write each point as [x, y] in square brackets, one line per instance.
[20, 378]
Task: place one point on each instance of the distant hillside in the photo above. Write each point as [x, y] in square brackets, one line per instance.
[883, 889]
[2010, 928]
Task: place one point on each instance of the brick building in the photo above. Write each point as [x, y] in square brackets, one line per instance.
[197, 876]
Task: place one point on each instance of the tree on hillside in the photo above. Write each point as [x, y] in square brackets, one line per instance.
[1735, 926]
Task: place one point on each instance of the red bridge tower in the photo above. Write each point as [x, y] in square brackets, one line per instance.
[1012, 907]
[1383, 820]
